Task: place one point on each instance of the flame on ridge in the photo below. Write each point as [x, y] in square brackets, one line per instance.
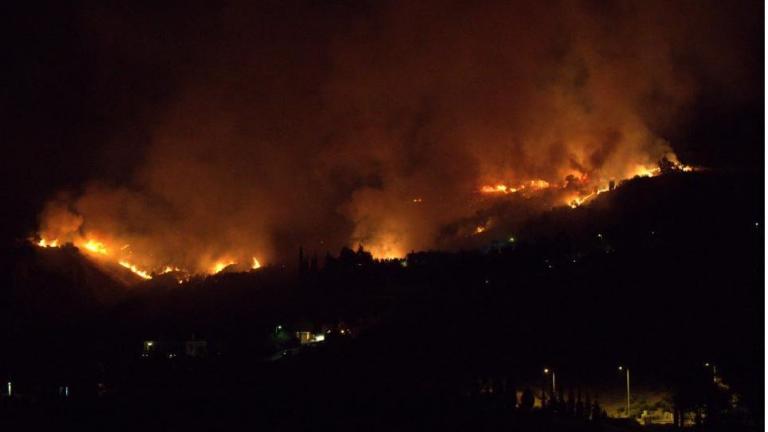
[581, 182]
[121, 256]
[141, 273]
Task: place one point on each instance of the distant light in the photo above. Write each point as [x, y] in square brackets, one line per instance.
[599, 235]
[706, 364]
[10, 389]
[279, 327]
[511, 239]
[546, 371]
[150, 343]
[757, 223]
[621, 367]
[66, 391]
[319, 338]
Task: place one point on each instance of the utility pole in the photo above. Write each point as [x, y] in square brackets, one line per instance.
[629, 404]
[554, 387]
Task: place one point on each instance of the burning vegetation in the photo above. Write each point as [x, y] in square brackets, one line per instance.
[579, 188]
[386, 130]
[574, 191]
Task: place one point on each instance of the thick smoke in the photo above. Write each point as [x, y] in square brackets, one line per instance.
[328, 124]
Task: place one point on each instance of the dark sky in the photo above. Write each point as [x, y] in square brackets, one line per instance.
[203, 125]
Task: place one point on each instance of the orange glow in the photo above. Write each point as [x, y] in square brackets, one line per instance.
[169, 269]
[587, 186]
[48, 243]
[499, 188]
[642, 171]
[221, 265]
[502, 188]
[126, 257]
[537, 184]
[479, 229]
[386, 250]
[95, 247]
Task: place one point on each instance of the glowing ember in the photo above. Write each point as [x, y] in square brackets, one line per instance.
[141, 273]
[255, 264]
[479, 229]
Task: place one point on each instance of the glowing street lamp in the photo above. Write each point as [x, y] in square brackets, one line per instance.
[714, 370]
[548, 371]
[629, 406]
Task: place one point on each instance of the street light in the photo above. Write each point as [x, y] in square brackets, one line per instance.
[547, 371]
[714, 370]
[629, 406]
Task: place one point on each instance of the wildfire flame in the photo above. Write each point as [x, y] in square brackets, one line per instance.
[221, 265]
[96, 247]
[121, 255]
[48, 243]
[501, 188]
[141, 273]
[169, 269]
[582, 181]
[575, 190]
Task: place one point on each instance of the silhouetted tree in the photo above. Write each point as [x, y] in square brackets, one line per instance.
[579, 405]
[570, 407]
[527, 400]
[313, 264]
[597, 412]
[302, 261]
[512, 395]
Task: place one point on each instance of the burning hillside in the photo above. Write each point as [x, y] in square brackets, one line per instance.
[381, 131]
[576, 189]
[71, 229]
